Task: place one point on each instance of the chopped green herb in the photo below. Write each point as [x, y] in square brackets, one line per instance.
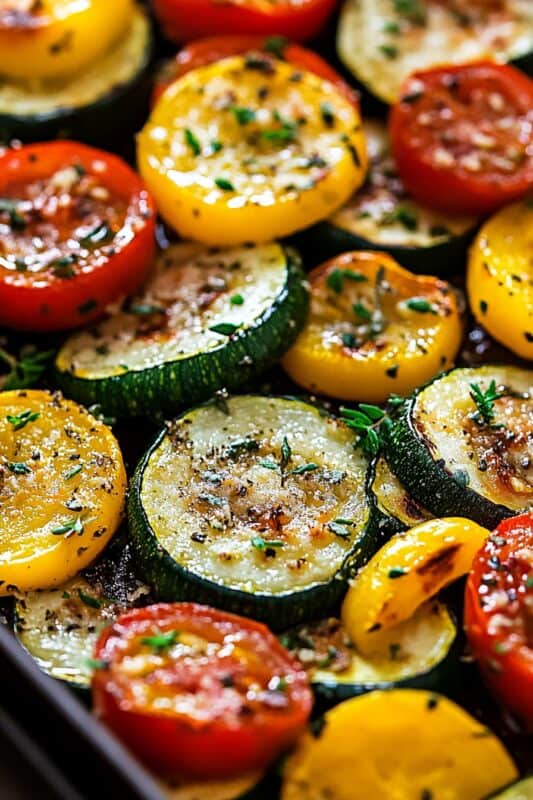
[236, 300]
[239, 446]
[89, 600]
[286, 454]
[161, 641]
[243, 115]
[224, 328]
[421, 305]
[311, 467]
[224, 184]
[215, 146]
[403, 215]
[335, 279]
[388, 50]
[69, 528]
[263, 544]
[18, 467]
[25, 370]
[397, 572]
[286, 133]
[268, 464]
[338, 529]
[212, 499]
[144, 309]
[529, 581]
[10, 207]
[19, 421]
[96, 663]
[389, 26]
[326, 112]
[413, 10]
[484, 401]
[362, 311]
[276, 45]
[366, 421]
[192, 142]
[100, 234]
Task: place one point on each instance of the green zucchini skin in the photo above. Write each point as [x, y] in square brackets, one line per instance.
[166, 387]
[173, 582]
[326, 240]
[96, 122]
[425, 478]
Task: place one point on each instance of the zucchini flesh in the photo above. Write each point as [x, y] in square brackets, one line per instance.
[207, 319]
[118, 67]
[456, 464]
[382, 214]
[393, 500]
[523, 790]
[59, 627]
[212, 516]
[382, 42]
[416, 653]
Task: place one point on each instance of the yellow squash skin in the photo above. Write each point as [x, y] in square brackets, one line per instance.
[500, 277]
[43, 495]
[401, 744]
[412, 347]
[262, 135]
[55, 38]
[408, 570]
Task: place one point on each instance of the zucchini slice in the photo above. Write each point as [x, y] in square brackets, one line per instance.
[381, 216]
[523, 790]
[455, 461]
[59, 627]
[207, 319]
[259, 507]
[381, 41]
[86, 105]
[422, 654]
[393, 500]
[240, 788]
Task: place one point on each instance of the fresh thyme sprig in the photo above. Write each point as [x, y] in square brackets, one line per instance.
[484, 401]
[24, 369]
[284, 461]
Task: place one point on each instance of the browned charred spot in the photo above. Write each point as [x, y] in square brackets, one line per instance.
[268, 518]
[439, 565]
[321, 645]
[504, 451]
[22, 16]
[412, 509]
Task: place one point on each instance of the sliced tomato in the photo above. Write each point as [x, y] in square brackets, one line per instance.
[213, 48]
[499, 614]
[77, 231]
[198, 693]
[461, 136]
[183, 20]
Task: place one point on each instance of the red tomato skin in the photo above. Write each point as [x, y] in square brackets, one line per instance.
[200, 751]
[213, 48]
[507, 670]
[184, 20]
[447, 189]
[55, 307]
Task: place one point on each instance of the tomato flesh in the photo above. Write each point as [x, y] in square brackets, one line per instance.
[184, 20]
[499, 614]
[76, 233]
[461, 136]
[198, 693]
[213, 48]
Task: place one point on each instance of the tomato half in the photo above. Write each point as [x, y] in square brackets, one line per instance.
[461, 136]
[198, 693]
[213, 48]
[183, 20]
[499, 614]
[77, 231]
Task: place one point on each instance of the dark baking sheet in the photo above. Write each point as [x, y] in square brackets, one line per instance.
[48, 735]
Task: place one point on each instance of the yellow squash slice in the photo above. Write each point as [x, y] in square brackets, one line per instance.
[408, 570]
[401, 744]
[238, 152]
[62, 489]
[500, 277]
[55, 38]
[374, 329]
